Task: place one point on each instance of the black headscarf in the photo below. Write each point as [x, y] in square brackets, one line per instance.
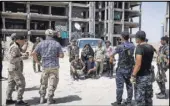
[84, 55]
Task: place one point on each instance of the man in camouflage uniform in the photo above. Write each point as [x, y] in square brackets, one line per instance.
[77, 68]
[124, 69]
[39, 57]
[142, 73]
[73, 49]
[15, 76]
[162, 63]
[99, 56]
[50, 51]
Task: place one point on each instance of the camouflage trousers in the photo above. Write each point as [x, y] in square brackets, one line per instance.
[50, 76]
[99, 66]
[143, 90]
[161, 80]
[123, 76]
[15, 78]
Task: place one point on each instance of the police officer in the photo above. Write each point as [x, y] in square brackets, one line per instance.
[124, 69]
[39, 57]
[50, 51]
[15, 76]
[73, 49]
[162, 63]
[77, 68]
[142, 72]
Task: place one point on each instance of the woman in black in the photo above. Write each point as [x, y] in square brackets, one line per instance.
[86, 52]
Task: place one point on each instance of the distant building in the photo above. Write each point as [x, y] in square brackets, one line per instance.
[103, 19]
[166, 25]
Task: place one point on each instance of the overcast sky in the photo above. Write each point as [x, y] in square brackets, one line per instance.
[153, 14]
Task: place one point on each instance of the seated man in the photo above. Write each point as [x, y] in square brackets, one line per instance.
[77, 67]
[91, 68]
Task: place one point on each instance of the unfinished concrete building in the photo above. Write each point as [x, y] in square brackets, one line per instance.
[166, 25]
[114, 17]
[102, 19]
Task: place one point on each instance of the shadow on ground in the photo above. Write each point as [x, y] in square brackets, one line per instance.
[68, 98]
[35, 101]
[32, 88]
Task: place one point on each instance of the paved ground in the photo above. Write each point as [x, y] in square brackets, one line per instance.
[85, 92]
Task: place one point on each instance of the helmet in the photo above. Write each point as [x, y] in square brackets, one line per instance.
[49, 32]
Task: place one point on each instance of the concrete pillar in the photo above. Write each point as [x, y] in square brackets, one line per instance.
[110, 21]
[49, 12]
[105, 19]
[3, 19]
[70, 21]
[28, 19]
[140, 17]
[123, 16]
[92, 18]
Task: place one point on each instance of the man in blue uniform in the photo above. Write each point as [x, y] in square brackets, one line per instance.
[124, 69]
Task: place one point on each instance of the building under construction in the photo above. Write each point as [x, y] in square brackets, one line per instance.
[166, 25]
[104, 20]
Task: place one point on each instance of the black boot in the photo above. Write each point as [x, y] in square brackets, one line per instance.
[21, 103]
[9, 102]
[161, 96]
[116, 104]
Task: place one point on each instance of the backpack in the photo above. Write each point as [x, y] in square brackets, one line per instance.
[126, 58]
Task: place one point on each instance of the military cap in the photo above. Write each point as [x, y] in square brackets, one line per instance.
[49, 32]
[13, 35]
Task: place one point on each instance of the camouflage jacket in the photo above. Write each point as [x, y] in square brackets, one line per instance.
[73, 50]
[163, 54]
[77, 64]
[15, 57]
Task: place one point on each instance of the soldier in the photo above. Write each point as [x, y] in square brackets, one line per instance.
[162, 63]
[15, 76]
[99, 58]
[142, 72]
[124, 69]
[50, 51]
[77, 68]
[39, 57]
[73, 49]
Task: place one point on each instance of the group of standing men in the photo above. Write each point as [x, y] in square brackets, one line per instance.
[49, 50]
[137, 72]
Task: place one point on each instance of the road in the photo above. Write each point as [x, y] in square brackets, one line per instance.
[83, 92]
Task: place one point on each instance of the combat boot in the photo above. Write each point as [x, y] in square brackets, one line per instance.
[161, 96]
[9, 102]
[50, 100]
[21, 103]
[116, 104]
[42, 100]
